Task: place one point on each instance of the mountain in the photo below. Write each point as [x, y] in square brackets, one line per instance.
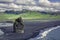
[15, 12]
[24, 11]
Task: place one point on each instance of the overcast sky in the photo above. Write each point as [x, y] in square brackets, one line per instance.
[40, 5]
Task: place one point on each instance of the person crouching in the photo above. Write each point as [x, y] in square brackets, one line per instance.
[18, 25]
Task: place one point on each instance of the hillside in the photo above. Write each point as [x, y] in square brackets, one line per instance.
[29, 15]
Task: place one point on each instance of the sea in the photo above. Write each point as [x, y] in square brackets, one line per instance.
[48, 34]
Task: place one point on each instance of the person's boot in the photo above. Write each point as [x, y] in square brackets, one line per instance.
[20, 31]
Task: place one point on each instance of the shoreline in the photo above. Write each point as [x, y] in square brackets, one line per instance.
[32, 20]
[43, 33]
[32, 29]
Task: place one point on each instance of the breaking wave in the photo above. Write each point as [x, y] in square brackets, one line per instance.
[48, 34]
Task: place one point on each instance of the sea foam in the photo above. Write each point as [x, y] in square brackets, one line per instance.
[48, 34]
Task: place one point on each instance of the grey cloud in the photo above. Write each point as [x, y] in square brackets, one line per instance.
[6, 0]
[26, 2]
[40, 5]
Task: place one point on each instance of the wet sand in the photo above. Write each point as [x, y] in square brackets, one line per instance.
[31, 30]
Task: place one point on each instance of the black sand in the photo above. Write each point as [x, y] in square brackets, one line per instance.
[31, 30]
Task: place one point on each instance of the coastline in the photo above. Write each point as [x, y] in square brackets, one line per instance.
[31, 29]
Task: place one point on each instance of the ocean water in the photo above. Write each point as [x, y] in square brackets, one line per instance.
[48, 34]
[6, 24]
[1, 32]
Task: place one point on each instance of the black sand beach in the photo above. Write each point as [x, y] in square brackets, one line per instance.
[31, 28]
